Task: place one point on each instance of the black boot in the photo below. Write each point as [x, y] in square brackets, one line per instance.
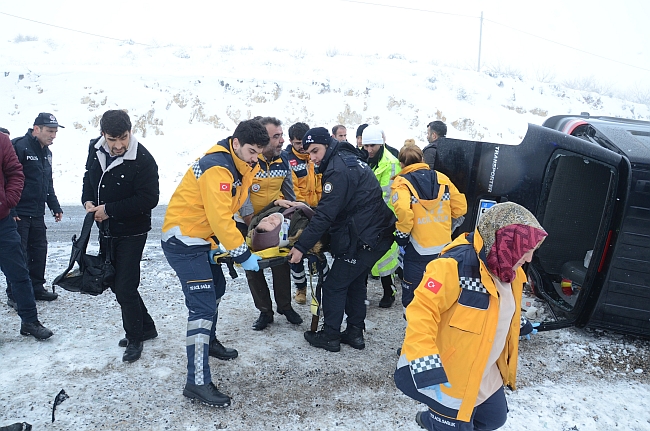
[389, 292]
[133, 351]
[36, 329]
[18, 426]
[217, 350]
[353, 337]
[208, 394]
[323, 340]
[149, 334]
[262, 321]
[291, 316]
[45, 295]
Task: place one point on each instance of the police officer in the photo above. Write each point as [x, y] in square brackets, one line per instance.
[361, 228]
[34, 154]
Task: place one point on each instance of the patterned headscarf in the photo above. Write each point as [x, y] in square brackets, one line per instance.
[509, 231]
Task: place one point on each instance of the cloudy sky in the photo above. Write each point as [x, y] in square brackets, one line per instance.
[534, 37]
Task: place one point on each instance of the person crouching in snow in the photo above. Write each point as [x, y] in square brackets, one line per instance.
[462, 331]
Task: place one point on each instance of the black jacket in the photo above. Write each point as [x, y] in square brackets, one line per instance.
[128, 187]
[37, 167]
[351, 207]
[430, 152]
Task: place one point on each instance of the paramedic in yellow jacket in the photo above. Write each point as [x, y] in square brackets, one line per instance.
[199, 224]
[462, 331]
[307, 186]
[305, 175]
[272, 183]
[428, 207]
[385, 166]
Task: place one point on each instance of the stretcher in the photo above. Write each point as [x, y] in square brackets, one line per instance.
[275, 256]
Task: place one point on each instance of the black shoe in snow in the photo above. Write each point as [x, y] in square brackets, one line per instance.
[44, 295]
[418, 419]
[146, 335]
[133, 351]
[323, 340]
[291, 316]
[387, 300]
[217, 350]
[36, 329]
[353, 337]
[207, 394]
[262, 321]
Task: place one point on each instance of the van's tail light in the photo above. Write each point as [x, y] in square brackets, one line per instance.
[602, 259]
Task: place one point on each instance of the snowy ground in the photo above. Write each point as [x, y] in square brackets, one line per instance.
[184, 98]
[568, 380]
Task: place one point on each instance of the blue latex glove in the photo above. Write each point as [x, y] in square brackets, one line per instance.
[211, 256]
[436, 388]
[214, 252]
[533, 332]
[250, 264]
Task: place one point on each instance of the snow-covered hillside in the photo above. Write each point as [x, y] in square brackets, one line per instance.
[183, 99]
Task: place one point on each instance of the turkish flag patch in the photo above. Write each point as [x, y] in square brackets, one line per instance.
[293, 162]
[433, 285]
[224, 187]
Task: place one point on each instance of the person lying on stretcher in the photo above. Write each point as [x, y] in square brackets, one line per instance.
[276, 227]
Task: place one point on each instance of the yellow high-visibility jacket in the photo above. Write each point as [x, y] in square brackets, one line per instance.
[272, 181]
[451, 324]
[212, 190]
[306, 180]
[425, 203]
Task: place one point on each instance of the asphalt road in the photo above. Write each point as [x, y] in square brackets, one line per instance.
[73, 217]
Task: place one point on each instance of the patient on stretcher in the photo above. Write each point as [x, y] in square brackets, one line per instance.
[280, 227]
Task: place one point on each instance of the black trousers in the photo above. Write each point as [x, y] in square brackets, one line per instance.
[281, 288]
[33, 240]
[126, 253]
[344, 289]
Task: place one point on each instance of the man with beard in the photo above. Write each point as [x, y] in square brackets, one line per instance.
[273, 183]
[436, 132]
[120, 187]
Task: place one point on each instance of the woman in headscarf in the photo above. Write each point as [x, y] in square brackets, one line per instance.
[463, 325]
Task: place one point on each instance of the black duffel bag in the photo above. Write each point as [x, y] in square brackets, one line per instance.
[94, 274]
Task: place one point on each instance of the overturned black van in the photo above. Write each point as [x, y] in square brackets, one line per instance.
[587, 180]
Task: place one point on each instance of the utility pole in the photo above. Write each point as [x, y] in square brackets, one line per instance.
[480, 37]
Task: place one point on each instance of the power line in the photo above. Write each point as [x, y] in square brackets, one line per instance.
[75, 31]
[567, 46]
[409, 8]
[501, 24]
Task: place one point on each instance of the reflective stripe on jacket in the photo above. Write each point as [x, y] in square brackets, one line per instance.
[272, 181]
[387, 168]
[306, 180]
[451, 324]
[212, 190]
[425, 203]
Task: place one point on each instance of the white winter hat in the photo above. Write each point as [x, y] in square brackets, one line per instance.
[372, 135]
